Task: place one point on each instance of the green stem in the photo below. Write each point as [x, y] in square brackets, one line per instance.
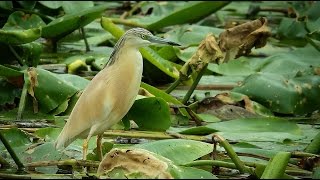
[249, 166]
[11, 151]
[194, 117]
[173, 86]
[276, 166]
[216, 163]
[231, 153]
[16, 55]
[83, 33]
[194, 84]
[22, 99]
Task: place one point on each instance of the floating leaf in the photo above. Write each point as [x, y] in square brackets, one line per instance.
[21, 28]
[191, 35]
[159, 93]
[172, 149]
[256, 125]
[199, 10]
[51, 91]
[66, 24]
[9, 72]
[76, 6]
[297, 95]
[150, 114]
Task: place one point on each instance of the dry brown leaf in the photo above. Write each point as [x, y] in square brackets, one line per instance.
[225, 107]
[208, 51]
[239, 40]
[32, 75]
[133, 161]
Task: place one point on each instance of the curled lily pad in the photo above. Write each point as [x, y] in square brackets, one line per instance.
[21, 28]
[66, 24]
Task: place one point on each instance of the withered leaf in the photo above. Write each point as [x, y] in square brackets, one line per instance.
[208, 51]
[133, 161]
[239, 40]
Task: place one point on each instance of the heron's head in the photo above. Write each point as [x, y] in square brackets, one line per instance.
[141, 37]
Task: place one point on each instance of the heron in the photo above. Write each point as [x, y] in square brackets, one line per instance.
[111, 93]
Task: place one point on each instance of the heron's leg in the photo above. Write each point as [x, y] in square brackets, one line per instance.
[99, 146]
[85, 149]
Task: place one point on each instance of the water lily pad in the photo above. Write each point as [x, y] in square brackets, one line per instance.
[172, 149]
[150, 114]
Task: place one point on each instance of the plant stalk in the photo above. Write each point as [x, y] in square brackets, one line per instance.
[194, 84]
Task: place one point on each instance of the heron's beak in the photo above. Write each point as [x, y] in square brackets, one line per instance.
[158, 40]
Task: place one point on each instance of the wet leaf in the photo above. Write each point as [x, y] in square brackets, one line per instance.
[66, 24]
[172, 149]
[9, 72]
[21, 28]
[76, 6]
[199, 10]
[150, 114]
[256, 125]
[51, 4]
[23, 21]
[8, 93]
[29, 53]
[191, 35]
[193, 173]
[15, 137]
[159, 93]
[51, 91]
[289, 96]
[246, 125]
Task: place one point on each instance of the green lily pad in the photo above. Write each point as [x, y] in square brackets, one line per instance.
[8, 92]
[159, 93]
[199, 10]
[9, 72]
[51, 90]
[150, 114]
[21, 28]
[297, 95]
[66, 24]
[173, 148]
[191, 35]
[72, 7]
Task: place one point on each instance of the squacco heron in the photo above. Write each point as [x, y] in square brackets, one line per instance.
[111, 93]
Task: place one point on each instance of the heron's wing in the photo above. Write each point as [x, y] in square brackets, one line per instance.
[92, 106]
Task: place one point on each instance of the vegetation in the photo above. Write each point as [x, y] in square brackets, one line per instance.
[239, 99]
